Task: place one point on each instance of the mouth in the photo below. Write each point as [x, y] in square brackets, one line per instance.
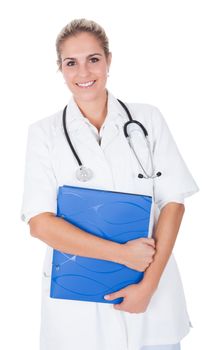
[86, 84]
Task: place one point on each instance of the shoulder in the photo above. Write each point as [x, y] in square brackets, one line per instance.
[47, 126]
[150, 117]
[146, 113]
[51, 122]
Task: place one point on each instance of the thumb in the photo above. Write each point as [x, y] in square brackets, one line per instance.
[115, 295]
[149, 241]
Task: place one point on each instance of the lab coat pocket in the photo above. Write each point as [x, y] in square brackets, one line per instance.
[46, 281]
[142, 185]
[145, 187]
[139, 160]
[47, 269]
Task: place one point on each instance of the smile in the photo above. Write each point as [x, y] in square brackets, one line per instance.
[86, 84]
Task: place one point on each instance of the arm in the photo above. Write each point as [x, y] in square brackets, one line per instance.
[165, 236]
[137, 296]
[68, 238]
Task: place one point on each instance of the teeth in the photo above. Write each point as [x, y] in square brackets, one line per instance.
[89, 83]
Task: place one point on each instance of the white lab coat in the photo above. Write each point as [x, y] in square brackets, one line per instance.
[70, 324]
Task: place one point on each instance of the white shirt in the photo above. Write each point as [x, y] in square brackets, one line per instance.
[50, 164]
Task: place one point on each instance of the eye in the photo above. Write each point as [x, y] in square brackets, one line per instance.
[71, 63]
[94, 59]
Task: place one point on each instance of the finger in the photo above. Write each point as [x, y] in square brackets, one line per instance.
[154, 251]
[149, 241]
[121, 306]
[151, 250]
[118, 306]
[111, 296]
[114, 295]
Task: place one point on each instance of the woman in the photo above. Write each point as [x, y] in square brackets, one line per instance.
[153, 313]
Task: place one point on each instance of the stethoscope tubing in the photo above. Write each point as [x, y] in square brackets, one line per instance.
[131, 121]
[125, 129]
[68, 138]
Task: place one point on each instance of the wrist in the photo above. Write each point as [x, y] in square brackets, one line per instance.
[149, 285]
[118, 253]
[150, 281]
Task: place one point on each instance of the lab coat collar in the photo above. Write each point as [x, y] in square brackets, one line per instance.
[75, 117]
[80, 128]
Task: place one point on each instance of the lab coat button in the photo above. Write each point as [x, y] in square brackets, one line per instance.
[45, 274]
[190, 324]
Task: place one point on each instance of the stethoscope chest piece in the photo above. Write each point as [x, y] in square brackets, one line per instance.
[84, 174]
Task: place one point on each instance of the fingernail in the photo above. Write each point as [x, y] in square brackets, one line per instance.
[106, 297]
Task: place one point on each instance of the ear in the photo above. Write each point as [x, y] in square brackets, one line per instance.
[59, 65]
[109, 58]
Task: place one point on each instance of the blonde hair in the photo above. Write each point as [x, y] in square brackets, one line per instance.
[80, 26]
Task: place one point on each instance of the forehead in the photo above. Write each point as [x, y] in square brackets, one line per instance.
[81, 44]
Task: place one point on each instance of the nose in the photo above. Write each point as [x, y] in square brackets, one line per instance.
[83, 70]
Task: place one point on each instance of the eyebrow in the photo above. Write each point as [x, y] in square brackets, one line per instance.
[73, 58]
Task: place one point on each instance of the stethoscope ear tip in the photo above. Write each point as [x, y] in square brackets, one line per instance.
[141, 176]
[85, 174]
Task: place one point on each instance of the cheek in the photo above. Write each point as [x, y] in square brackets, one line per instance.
[69, 76]
[101, 72]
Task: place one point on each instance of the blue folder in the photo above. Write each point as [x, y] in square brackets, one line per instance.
[114, 216]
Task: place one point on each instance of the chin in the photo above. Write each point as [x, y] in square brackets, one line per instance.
[88, 95]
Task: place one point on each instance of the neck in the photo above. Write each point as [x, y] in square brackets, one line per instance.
[95, 110]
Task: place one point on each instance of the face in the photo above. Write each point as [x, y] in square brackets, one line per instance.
[85, 66]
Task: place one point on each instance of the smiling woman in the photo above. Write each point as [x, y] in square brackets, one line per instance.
[153, 313]
[85, 65]
[84, 60]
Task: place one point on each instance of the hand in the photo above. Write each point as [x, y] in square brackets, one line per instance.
[138, 253]
[136, 298]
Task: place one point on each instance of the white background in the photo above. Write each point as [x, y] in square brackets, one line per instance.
[162, 55]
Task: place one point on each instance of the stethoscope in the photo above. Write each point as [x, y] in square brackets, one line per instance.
[85, 174]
